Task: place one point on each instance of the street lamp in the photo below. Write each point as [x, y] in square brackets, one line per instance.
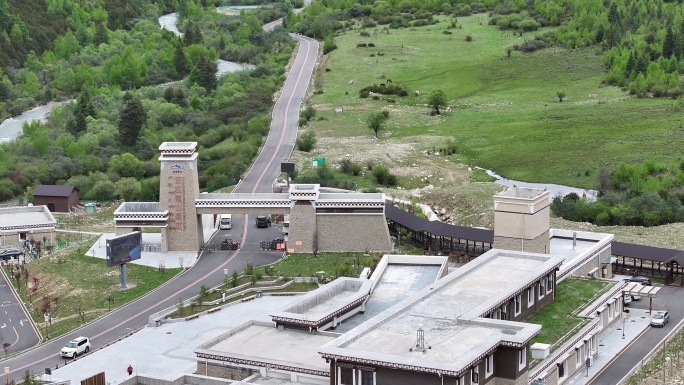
[624, 320]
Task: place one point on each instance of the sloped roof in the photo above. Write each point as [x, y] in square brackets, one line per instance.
[438, 228]
[51, 190]
[650, 253]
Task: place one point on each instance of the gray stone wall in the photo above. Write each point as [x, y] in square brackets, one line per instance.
[353, 232]
[302, 227]
[540, 244]
[227, 372]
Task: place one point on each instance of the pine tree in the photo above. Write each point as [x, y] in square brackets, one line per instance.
[180, 61]
[131, 120]
[101, 34]
[669, 43]
[84, 108]
[204, 73]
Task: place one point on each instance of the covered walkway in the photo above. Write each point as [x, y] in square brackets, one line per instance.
[436, 236]
[468, 242]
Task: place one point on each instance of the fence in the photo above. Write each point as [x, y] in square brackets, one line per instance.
[226, 244]
[662, 365]
[272, 245]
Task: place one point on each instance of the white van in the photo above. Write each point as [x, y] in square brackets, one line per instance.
[225, 222]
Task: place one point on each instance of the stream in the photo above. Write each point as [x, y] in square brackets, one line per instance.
[554, 189]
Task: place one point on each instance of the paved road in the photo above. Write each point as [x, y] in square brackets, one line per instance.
[15, 329]
[669, 299]
[209, 268]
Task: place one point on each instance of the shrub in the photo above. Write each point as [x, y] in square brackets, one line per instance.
[303, 121]
[355, 169]
[364, 34]
[381, 174]
[468, 38]
[361, 45]
[385, 113]
[371, 45]
[306, 141]
[308, 113]
[345, 165]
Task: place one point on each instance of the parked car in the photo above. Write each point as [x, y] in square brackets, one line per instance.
[660, 319]
[263, 221]
[627, 298]
[5, 255]
[76, 347]
[639, 279]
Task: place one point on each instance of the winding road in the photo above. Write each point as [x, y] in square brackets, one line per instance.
[209, 268]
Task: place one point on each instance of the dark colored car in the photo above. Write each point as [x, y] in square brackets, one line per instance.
[642, 280]
[5, 255]
[263, 221]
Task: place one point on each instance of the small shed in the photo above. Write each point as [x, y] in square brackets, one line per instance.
[58, 199]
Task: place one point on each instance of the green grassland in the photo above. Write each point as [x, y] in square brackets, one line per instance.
[73, 282]
[506, 115]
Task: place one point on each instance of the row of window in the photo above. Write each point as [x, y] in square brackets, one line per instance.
[543, 288]
[581, 353]
[351, 376]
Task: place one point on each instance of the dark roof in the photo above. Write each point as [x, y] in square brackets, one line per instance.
[51, 190]
[650, 253]
[438, 228]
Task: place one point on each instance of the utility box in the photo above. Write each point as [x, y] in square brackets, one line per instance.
[540, 351]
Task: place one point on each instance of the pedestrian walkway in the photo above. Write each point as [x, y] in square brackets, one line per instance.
[165, 352]
[613, 340]
[151, 241]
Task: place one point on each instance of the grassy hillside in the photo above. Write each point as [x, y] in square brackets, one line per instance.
[506, 114]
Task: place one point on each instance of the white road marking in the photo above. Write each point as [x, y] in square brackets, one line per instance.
[17, 334]
[3, 326]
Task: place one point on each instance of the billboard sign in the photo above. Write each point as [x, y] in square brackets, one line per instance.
[124, 248]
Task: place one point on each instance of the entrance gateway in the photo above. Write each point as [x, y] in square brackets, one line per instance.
[319, 221]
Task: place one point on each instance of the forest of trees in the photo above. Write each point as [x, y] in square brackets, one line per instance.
[110, 55]
[106, 141]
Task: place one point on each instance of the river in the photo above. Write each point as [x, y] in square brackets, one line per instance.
[554, 189]
[11, 128]
[169, 22]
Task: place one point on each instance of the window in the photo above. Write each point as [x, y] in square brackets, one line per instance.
[346, 376]
[475, 378]
[549, 285]
[562, 372]
[542, 288]
[504, 312]
[610, 311]
[367, 377]
[522, 358]
[578, 356]
[460, 381]
[518, 304]
[489, 366]
[530, 296]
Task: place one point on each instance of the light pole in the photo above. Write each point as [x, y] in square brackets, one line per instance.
[624, 320]
[7, 382]
[225, 276]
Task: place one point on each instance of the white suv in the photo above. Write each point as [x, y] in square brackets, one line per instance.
[76, 347]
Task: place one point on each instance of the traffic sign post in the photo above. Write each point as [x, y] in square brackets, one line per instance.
[317, 162]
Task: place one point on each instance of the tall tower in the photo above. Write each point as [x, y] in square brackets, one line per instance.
[178, 189]
[521, 220]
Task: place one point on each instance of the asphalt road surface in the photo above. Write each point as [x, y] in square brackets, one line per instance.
[669, 299]
[15, 327]
[209, 269]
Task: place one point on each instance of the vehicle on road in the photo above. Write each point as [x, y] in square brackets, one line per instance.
[263, 221]
[286, 224]
[226, 222]
[5, 255]
[75, 347]
[660, 319]
[627, 299]
[639, 279]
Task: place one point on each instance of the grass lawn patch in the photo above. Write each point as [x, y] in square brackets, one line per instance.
[332, 265]
[506, 115]
[76, 289]
[556, 318]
